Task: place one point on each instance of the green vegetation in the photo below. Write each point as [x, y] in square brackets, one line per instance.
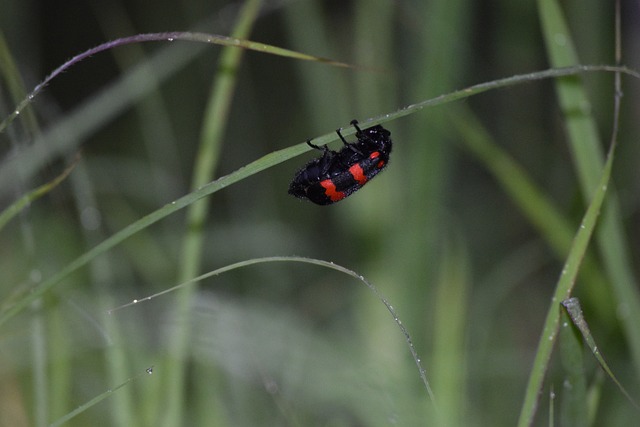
[154, 271]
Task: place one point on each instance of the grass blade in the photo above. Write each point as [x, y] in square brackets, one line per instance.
[573, 397]
[562, 292]
[33, 195]
[99, 398]
[573, 309]
[167, 36]
[585, 147]
[216, 117]
[318, 262]
[271, 160]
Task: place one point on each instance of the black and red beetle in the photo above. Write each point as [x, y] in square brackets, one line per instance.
[338, 174]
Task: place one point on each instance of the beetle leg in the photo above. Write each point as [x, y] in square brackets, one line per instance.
[344, 141]
[317, 147]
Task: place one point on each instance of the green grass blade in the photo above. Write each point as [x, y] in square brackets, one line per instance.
[573, 394]
[99, 398]
[15, 84]
[167, 36]
[66, 135]
[313, 261]
[532, 202]
[259, 165]
[215, 119]
[562, 292]
[16, 207]
[573, 309]
[585, 147]
[315, 30]
[271, 160]
[450, 320]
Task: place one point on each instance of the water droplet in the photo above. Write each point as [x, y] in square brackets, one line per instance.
[90, 218]
[35, 275]
[560, 39]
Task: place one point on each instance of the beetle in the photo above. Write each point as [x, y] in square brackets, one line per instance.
[338, 174]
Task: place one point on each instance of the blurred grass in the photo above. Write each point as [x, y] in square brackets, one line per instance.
[289, 345]
[585, 146]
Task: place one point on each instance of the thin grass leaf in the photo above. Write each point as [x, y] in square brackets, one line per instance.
[215, 120]
[318, 262]
[16, 207]
[124, 406]
[15, 84]
[166, 36]
[315, 29]
[99, 398]
[585, 147]
[271, 160]
[594, 397]
[573, 395]
[65, 136]
[573, 309]
[449, 359]
[531, 200]
[563, 291]
[252, 168]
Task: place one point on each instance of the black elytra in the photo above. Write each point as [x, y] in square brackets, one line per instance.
[338, 174]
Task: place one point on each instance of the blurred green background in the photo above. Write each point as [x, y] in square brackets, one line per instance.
[292, 344]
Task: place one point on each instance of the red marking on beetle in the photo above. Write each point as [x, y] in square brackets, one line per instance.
[357, 173]
[331, 192]
[375, 155]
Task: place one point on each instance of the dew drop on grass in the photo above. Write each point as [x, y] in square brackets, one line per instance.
[35, 275]
[90, 218]
[560, 39]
